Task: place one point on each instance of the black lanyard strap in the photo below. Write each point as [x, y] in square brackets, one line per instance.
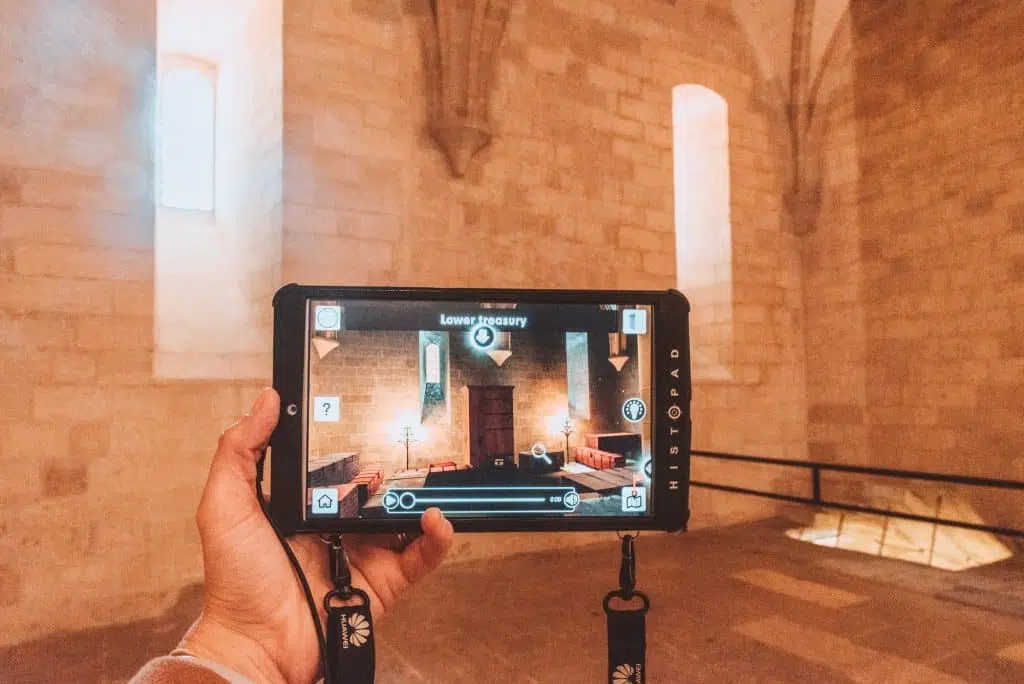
[627, 638]
[351, 653]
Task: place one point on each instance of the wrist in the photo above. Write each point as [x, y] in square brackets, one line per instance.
[209, 640]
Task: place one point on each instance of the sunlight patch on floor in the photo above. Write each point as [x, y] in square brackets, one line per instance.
[822, 594]
[1013, 653]
[856, 663]
[938, 546]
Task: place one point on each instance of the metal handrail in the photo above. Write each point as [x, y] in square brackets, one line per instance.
[816, 498]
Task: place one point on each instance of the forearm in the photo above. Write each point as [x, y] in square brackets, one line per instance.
[177, 669]
[210, 654]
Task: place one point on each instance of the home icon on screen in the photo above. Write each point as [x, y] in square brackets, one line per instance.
[325, 501]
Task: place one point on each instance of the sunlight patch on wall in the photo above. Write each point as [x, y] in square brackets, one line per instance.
[187, 112]
[218, 196]
[700, 123]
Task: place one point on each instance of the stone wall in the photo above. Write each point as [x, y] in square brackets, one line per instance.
[833, 277]
[103, 464]
[575, 191]
[913, 282]
[375, 375]
[942, 216]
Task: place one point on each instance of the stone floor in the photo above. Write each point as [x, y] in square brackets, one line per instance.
[743, 604]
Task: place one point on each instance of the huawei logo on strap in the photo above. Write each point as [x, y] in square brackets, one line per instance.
[626, 674]
[360, 630]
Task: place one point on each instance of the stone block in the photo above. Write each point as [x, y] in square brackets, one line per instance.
[90, 441]
[74, 403]
[369, 226]
[658, 135]
[633, 237]
[383, 10]
[55, 295]
[627, 62]
[28, 442]
[10, 185]
[369, 255]
[822, 451]
[35, 331]
[48, 187]
[43, 224]
[70, 367]
[659, 263]
[10, 586]
[25, 365]
[16, 399]
[304, 218]
[550, 60]
[653, 177]
[609, 79]
[114, 332]
[83, 262]
[6, 257]
[62, 478]
[379, 116]
[124, 366]
[133, 298]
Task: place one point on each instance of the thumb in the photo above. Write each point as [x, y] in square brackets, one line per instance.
[233, 470]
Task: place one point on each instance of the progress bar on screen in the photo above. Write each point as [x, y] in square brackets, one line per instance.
[482, 500]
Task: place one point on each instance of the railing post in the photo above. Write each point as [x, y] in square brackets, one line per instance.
[885, 528]
[888, 513]
[935, 529]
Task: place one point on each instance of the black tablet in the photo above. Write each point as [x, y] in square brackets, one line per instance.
[518, 410]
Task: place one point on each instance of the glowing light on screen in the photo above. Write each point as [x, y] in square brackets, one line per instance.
[433, 354]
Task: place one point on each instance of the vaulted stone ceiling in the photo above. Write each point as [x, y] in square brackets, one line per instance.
[790, 40]
[769, 25]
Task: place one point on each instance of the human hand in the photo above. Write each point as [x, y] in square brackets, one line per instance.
[255, 618]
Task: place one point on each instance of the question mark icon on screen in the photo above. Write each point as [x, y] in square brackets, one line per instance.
[326, 409]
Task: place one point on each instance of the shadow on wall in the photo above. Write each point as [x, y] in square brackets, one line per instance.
[105, 654]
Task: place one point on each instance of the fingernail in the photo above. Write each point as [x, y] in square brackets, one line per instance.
[434, 511]
[260, 400]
